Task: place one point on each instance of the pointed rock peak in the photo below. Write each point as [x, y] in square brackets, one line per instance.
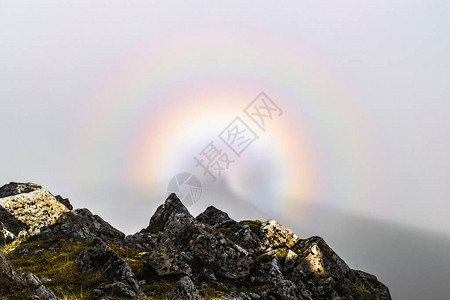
[16, 188]
[174, 203]
[172, 211]
[215, 217]
[317, 258]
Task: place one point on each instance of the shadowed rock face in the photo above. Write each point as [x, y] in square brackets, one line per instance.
[81, 223]
[238, 232]
[177, 255]
[98, 256]
[15, 188]
[170, 217]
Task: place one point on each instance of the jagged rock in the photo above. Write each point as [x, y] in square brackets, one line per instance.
[185, 289]
[216, 218]
[237, 232]
[64, 201]
[84, 225]
[285, 289]
[212, 249]
[9, 227]
[372, 285]
[31, 204]
[211, 252]
[165, 259]
[273, 234]
[32, 279]
[242, 235]
[8, 270]
[45, 293]
[100, 257]
[316, 258]
[14, 188]
[275, 267]
[170, 217]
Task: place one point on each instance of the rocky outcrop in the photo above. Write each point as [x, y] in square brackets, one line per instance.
[99, 257]
[165, 258]
[189, 245]
[238, 232]
[82, 224]
[170, 217]
[45, 293]
[315, 258]
[15, 188]
[176, 256]
[25, 208]
[31, 205]
[185, 289]
[273, 234]
[64, 201]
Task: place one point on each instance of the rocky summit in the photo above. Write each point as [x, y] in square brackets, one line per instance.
[51, 251]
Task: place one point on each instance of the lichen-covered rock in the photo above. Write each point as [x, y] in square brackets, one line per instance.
[273, 234]
[31, 204]
[45, 293]
[238, 232]
[165, 259]
[243, 260]
[216, 218]
[82, 224]
[185, 289]
[285, 289]
[213, 252]
[372, 285]
[98, 257]
[9, 226]
[205, 249]
[170, 217]
[24, 209]
[315, 258]
[32, 279]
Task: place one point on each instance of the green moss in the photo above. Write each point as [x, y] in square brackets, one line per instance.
[55, 258]
[254, 225]
[373, 281]
[358, 292]
[224, 231]
[158, 289]
[13, 289]
[134, 257]
[95, 242]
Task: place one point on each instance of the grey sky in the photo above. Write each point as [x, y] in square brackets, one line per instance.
[383, 152]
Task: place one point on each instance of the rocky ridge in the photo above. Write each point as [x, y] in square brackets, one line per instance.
[75, 254]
